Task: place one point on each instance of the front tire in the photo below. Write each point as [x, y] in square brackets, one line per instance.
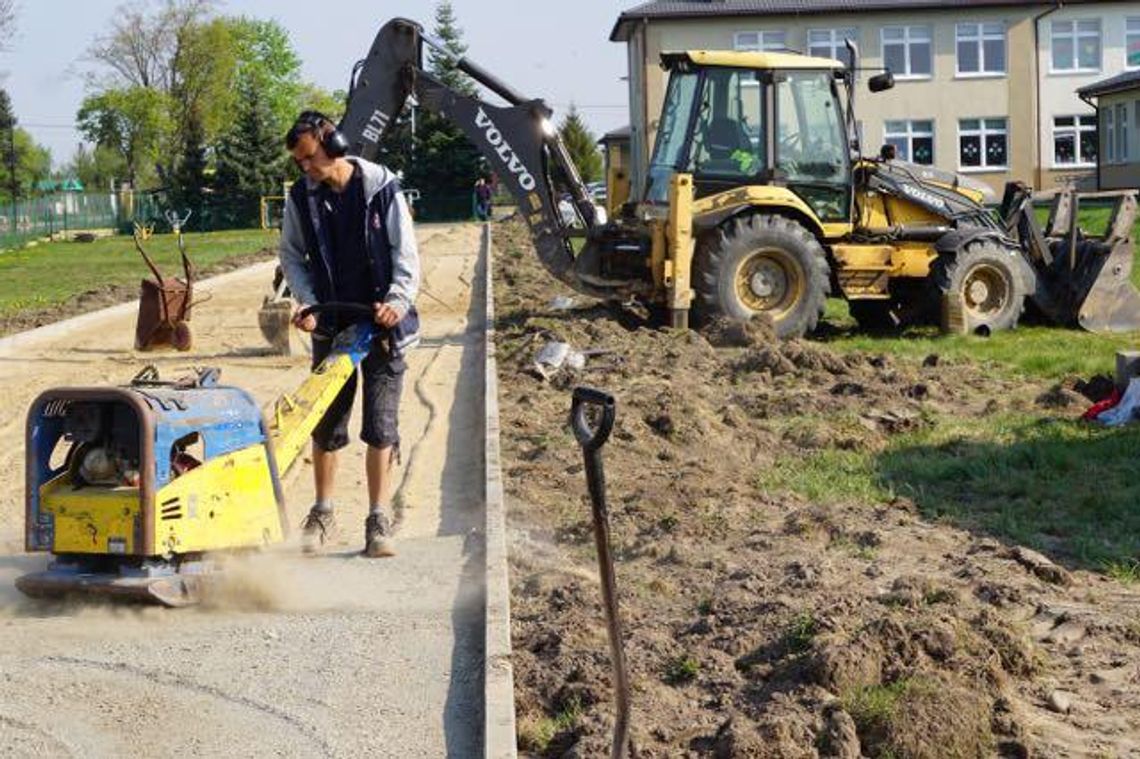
[763, 265]
[983, 288]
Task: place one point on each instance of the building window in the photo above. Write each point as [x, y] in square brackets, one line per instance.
[1132, 43]
[766, 40]
[982, 143]
[907, 51]
[912, 140]
[981, 49]
[1122, 133]
[1076, 45]
[1074, 140]
[829, 43]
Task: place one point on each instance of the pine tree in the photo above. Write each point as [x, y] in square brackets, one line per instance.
[582, 146]
[8, 144]
[189, 178]
[249, 163]
[443, 164]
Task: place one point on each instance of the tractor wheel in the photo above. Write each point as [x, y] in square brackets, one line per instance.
[983, 288]
[766, 265]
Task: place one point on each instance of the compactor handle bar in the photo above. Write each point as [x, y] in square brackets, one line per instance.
[353, 309]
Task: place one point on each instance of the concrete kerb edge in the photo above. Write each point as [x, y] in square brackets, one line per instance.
[498, 672]
[56, 329]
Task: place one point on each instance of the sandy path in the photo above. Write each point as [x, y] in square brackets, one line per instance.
[331, 656]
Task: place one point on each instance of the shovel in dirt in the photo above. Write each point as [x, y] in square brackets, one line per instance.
[592, 417]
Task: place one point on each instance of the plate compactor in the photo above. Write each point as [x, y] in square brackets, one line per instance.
[136, 489]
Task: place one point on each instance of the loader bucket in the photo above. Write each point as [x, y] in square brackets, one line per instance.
[275, 320]
[1089, 280]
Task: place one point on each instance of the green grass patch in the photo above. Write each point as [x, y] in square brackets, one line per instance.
[681, 669]
[1065, 487]
[52, 273]
[800, 633]
[536, 734]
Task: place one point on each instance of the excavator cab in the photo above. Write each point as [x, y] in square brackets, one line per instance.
[740, 119]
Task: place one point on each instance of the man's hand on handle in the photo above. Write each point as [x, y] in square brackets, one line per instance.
[304, 323]
[386, 315]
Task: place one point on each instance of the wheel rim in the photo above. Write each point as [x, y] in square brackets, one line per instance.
[769, 280]
[985, 291]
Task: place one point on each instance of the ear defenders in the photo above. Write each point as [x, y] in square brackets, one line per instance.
[333, 140]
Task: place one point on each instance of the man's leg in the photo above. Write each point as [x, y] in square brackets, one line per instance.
[383, 383]
[378, 466]
[330, 435]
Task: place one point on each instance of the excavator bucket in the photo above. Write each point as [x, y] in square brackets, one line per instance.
[1082, 280]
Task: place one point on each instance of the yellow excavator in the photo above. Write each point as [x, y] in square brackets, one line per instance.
[759, 202]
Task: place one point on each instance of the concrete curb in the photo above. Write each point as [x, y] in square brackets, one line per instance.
[498, 673]
[57, 329]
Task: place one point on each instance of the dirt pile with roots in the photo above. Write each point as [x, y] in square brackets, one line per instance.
[759, 624]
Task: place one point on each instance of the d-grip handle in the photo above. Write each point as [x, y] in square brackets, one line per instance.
[591, 439]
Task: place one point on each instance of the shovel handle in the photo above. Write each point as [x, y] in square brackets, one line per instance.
[591, 439]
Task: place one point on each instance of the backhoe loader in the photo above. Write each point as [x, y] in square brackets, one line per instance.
[759, 202]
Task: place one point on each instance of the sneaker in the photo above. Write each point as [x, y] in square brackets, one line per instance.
[377, 538]
[316, 529]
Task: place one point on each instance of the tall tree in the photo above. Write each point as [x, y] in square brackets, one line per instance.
[443, 165]
[582, 146]
[8, 143]
[267, 64]
[133, 122]
[7, 23]
[142, 43]
[250, 162]
[187, 183]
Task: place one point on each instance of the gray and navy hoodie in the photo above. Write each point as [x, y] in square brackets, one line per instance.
[390, 241]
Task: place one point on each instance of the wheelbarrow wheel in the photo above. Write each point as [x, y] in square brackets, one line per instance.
[182, 337]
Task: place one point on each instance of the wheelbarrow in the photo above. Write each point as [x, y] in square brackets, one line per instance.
[165, 302]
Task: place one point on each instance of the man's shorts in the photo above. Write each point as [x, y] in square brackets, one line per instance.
[383, 383]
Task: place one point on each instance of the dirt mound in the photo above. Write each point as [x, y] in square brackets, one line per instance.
[761, 625]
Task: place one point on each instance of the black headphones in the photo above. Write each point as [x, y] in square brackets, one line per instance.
[332, 139]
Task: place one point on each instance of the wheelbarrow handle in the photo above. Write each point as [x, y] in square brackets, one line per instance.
[149, 262]
[591, 439]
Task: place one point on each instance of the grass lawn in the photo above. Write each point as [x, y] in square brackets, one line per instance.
[52, 273]
[1057, 484]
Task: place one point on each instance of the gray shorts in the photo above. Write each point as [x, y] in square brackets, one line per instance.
[383, 383]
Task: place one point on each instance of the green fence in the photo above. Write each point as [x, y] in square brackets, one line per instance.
[58, 214]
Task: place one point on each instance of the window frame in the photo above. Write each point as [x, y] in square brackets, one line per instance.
[835, 43]
[983, 132]
[980, 40]
[1075, 36]
[1076, 130]
[761, 46]
[906, 44]
[1131, 30]
[910, 134]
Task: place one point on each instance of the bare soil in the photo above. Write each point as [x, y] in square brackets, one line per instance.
[759, 625]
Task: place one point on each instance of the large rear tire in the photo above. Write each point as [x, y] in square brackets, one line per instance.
[763, 265]
[983, 288]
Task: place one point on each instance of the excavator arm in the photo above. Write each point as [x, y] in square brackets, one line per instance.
[519, 141]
